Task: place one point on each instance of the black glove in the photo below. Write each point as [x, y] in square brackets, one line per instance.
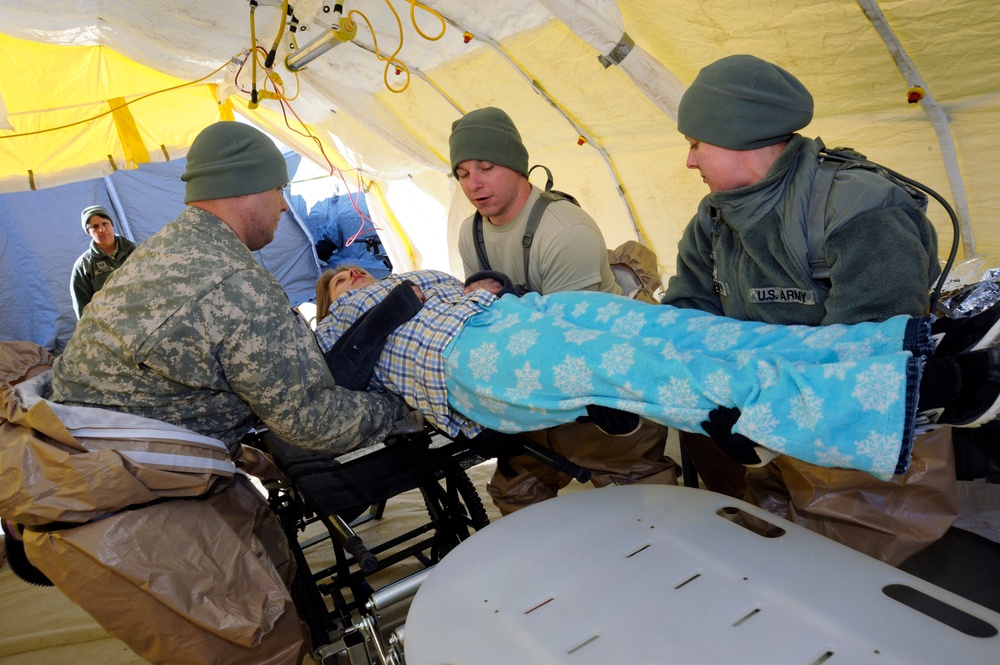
[719, 426]
[613, 421]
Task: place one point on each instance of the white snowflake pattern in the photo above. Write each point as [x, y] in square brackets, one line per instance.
[717, 386]
[832, 456]
[668, 317]
[627, 392]
[580, 336]
[722, 336]
[670, 352]
[519, 343]
[573, 377]
[629, 325]
[878, 388]
[461, 399]
[838, 370]
[764, 329]
[580, 309]
[743, 358]
[697, 323]
[848, 351]
[618, 359]
[757, 423]
[506, 322]
[767, 374]
[807, 409]
[536, 316]
[608, 312]
[877, 446]
[823, 337]
[680, 403]
[527, 383]
[509, 426]
[557, 311]
[489, 402]
[483, 361]
[574, 403]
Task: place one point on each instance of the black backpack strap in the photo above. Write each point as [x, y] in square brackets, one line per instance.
[534, 219]
[477, 235]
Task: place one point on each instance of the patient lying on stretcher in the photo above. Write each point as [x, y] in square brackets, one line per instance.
[840, 395]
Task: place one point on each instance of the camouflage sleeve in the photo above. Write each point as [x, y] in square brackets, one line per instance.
[272, 361]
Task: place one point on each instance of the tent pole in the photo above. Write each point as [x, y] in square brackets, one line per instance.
[938, 117]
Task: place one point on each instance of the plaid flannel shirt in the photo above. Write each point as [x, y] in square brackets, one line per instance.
[412, 363]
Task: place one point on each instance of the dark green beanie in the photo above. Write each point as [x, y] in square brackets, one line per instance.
[231, 159]
[90, 211]
[489, 135]
[742, 102]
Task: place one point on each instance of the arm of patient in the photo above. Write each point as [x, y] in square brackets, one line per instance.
[353, 356]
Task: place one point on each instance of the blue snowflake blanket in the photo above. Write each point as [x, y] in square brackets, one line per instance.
[841, 396]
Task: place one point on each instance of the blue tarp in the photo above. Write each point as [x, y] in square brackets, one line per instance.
[41, 237]
[341, 225]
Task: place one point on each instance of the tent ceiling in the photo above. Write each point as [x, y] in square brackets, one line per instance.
[534, 59]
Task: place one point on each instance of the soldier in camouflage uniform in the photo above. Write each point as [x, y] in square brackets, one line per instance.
[194, 332]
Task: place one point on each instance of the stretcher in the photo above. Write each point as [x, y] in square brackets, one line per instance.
[664, 574]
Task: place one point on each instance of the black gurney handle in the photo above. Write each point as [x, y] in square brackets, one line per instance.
[556, 461]
[352, 543]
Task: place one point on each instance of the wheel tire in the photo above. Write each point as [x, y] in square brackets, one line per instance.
[452, 518]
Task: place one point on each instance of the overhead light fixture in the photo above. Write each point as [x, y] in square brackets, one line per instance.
[344, 31]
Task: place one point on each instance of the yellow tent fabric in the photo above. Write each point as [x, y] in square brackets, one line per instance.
[83, 111]
[608, 134]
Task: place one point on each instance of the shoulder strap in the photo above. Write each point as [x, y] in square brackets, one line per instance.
[477, 235]
[534, 218]
[816, 218]
[530, 227]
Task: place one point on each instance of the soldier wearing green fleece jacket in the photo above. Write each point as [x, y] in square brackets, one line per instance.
[882, 249]
[744, 255]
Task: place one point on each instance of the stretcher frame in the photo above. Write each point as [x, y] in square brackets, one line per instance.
[341, 607]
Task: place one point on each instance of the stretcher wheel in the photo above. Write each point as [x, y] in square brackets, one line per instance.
[454, 520]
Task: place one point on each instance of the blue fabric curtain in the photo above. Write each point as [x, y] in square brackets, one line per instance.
[41, 237]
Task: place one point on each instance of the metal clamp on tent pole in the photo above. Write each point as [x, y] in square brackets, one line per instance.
[618, 53]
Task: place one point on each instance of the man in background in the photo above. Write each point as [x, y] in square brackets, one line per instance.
[107, 252]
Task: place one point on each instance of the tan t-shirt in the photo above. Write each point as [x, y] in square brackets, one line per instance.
[568, 252]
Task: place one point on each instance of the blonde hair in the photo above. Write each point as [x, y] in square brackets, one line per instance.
[323, 300]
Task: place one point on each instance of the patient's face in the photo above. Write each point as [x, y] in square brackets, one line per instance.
[349, 280]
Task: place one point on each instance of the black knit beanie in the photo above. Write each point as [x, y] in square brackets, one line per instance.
[742, 102]
[229, 159]
[487, 134]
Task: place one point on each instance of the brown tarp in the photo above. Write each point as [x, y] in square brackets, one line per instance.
[200, 578]
[890, 521]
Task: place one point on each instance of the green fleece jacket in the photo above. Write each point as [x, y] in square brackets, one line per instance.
[880, 247]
